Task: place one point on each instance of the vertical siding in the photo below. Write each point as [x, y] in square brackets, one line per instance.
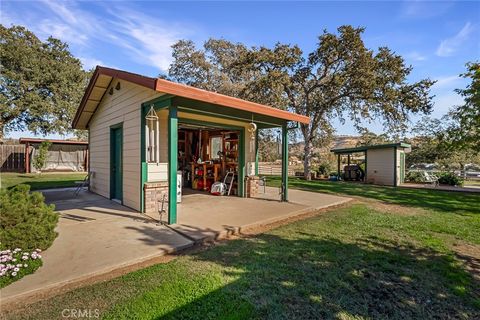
[380, 167]
[123, 106]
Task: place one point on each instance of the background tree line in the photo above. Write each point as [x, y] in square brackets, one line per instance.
[42, 83]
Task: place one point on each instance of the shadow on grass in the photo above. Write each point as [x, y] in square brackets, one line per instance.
[456, 202]
[308, 277]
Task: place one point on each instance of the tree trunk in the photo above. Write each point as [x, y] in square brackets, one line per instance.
[2, 127]
[307, 161]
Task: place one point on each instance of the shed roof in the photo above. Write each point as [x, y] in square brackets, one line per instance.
[37, 140]
[102, 78]
[375, 146]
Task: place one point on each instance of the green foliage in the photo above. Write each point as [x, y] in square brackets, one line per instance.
[415, 176]
[25, 220]
[41, 158]
[42, 82]
[368, 138]
[464, 132]
[341, 77]
[450, 178]
[324, 168]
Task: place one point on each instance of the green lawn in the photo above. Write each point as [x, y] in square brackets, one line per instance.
[365, 260]
[41, 181]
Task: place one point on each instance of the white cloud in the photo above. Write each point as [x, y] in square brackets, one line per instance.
[415, 56]
[447, 81]
[147, 39]
[425, 9]
[449, 46]
[89, 63]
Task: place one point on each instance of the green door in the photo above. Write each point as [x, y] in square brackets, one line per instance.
[116, 164]
[402, 167]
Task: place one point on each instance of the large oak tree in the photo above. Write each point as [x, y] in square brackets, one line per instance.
[340, 78]
[41, 83]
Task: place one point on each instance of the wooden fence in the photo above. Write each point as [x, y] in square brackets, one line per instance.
[12, 158]
[269, 169]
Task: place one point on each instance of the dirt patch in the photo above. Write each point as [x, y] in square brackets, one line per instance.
[470, 255]
[395, 208]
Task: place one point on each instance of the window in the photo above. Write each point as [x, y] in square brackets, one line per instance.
[215, 147]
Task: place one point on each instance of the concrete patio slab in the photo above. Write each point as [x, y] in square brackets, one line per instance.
[202, 216]
[96, 236]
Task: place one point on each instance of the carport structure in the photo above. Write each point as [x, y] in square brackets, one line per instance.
[384, 163]
[134, 124]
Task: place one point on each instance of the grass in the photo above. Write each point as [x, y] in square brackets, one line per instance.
[394, 258]
[458, 202]
[41, 181]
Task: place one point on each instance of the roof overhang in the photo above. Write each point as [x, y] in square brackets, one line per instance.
[365, 148]
[102, 78]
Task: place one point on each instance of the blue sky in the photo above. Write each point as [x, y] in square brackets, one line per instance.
[436, 37]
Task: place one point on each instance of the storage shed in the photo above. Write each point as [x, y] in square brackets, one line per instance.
[151, 139]
[382, 164]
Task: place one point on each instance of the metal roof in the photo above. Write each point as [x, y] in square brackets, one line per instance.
[375, 146]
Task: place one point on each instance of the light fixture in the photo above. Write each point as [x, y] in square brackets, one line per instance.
[110, 92]
[117, 87]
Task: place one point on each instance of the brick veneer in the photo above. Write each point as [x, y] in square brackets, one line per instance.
[253, 184]
[153, 194]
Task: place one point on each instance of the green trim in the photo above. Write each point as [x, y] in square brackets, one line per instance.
[209, 124]
[395, 166]
[256, 151]
[338, 166]
[241, 164]
[378, 146]
[172, 164]
[284, 162]
[366, 166]
[113, 128]
[194, 106]
[159, 102]
[402, 167]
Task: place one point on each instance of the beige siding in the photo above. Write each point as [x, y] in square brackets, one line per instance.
[380, 166]
[124, 106]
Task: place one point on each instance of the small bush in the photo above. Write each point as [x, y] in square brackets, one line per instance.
[15, 264]
[25, 220]
[415, 176]
[450, 178]
[324, 169]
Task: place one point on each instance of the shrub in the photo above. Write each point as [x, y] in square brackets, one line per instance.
[15, 264]
[41, 158]
[324, 169]
[415, 176]
[25, 220]
[450, 178]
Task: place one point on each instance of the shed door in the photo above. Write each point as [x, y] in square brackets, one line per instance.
[116, 180]
[402, 167]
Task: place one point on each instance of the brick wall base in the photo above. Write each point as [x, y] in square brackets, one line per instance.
[153, 194]
[253, 184]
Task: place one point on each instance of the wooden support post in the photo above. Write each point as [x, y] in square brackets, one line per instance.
[284, 162]
[172, 164]
[27, 157]
[338, 166]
